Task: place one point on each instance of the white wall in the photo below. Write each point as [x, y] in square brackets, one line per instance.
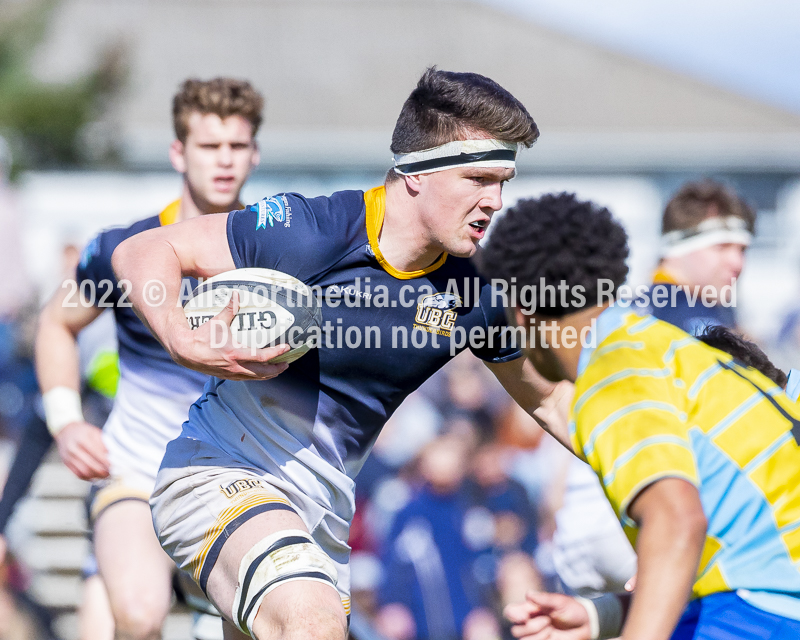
[57, 208]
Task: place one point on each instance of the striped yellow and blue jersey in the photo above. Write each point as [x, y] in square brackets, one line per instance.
[652, 402]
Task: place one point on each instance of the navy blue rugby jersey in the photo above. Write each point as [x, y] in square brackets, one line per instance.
[142, 359]
[689, 314]
[332, 402]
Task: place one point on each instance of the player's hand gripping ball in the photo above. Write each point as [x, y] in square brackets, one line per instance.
[274, 309]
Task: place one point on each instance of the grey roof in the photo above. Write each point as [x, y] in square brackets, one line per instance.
[335, 73]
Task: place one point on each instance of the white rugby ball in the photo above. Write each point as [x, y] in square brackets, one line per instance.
[274, 308]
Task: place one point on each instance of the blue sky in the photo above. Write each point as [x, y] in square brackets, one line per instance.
[749, 46]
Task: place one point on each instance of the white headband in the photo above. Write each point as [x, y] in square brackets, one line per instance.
[461, 153]
[711, 231]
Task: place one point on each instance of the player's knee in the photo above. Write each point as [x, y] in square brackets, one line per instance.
[302, 616]
[315, 623]
[136, 618]
[132, 626]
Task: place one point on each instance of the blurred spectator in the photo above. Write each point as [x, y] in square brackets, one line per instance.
[98, 358]
[465, 388]
[503, 505]
[430, 551]
[19, 391]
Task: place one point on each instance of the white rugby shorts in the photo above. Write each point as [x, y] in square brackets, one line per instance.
[202, 495]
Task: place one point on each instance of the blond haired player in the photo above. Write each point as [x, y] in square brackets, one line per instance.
[215, 149]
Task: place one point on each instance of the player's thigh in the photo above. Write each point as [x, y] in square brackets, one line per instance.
[224, 577]
[269, 578]
[215, 515]
[131, 562]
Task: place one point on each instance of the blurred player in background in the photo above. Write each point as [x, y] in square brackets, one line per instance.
[215, 150]
[698, 454]
[257, 494]
[705, 231]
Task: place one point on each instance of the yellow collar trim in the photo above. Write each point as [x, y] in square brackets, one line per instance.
[375, 202]
[662, 277]
[170, 213]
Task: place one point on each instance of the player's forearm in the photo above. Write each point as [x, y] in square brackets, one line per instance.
[57, 358]
[531, 392]
[56, 351]
[669, 546]
[153, 270]
[535, 388]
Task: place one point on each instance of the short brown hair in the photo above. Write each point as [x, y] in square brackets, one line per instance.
[445, 106]
[696, 201]
[222, 96]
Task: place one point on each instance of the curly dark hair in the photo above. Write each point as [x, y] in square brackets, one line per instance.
[544, 242]
[746, 352]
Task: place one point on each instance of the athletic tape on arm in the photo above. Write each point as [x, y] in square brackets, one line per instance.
[62, 406]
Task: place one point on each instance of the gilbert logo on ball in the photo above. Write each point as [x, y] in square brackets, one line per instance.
[274, 309]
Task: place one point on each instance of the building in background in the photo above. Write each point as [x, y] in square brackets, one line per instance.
[615, 129]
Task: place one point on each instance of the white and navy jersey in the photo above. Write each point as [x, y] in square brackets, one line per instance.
[140, 354]
[384, 333]
[154, 392]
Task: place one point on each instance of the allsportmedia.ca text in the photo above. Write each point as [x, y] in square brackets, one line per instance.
[467, 292]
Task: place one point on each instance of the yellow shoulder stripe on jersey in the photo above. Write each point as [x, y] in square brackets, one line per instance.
[170, 213]
[662, 277]
[375, 202]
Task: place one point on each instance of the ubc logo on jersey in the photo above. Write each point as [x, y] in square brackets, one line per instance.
[272, 210]
[240, 486]
[436, 313]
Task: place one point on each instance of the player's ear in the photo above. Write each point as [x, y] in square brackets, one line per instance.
[256, 155]
[176, 156]
[413, 184]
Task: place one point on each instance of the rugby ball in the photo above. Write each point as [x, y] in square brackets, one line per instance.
[274, 308]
